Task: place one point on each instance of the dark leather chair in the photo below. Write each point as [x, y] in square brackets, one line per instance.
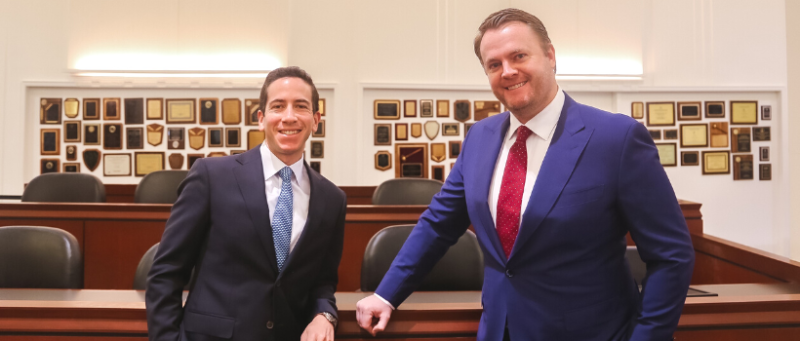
[461, 268]
[140, 278]
[160, 187]
[405, 191]
[65, 187]
[39, 257]
[638, 267]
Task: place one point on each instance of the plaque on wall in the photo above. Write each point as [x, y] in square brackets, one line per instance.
[716, 162]
[744, 112]
[134, 138]
[765, 172]
[320, 132]
[175, 138]
[71, 107]
[231, 111]
[411, 160]
[50, 142]
[233, 137]
[385, 109]
[321, 107]
[766, 112]
[91, 158]
[637, 110]
[462, 111]
[450, 129]
[416, 129]
[237, 151]
[317, 149]
[383, 134]
[715, 109]
[148, 162]
[410, 108]
[91, 134]
[208, 111]
[191, 158]
[431, 129]
[175, 161]
[111, 109]
[134, 110]
[112, 136]
[743, 167]
[251, 112]
[72, 167]
[72, 153]
[426, 108]
[50, 111]
[49, 166]
[438, 152]
[155, 134]
[694, 135]
[740, 140]
[117, 164]
[660, 113]
[197, 138]
[689, 111]
[484, 109]
[690, 158]
[454, 148]
[763, 153]
[655, 134]
[761, 133]
[437, 172]
[442, 108]
[91, 108]
[254, 138]
[670, 134]
[155, 108]
[383, 160]
[667, 154]
[401, 131]
[467, 127]
[316, 166]
[215, 137]
[180, 110]
[72, 131]
[719, 134]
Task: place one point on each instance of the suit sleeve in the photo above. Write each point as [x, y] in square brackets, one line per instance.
[323, 293]
[177, 254]
[438, 228]
[657, 225]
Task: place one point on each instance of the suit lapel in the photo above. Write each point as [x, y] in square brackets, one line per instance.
[250, 177]
[490, 144]
[569, 141]
[316, 206]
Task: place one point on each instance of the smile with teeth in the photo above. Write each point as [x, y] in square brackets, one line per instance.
[289, 132]
[516, 86]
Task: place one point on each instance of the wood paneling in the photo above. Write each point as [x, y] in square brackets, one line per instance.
[113, 250]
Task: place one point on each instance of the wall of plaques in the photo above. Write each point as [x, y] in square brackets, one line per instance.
[123, 135]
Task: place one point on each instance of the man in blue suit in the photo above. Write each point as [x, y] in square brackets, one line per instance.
[551, 189]
[262, 231]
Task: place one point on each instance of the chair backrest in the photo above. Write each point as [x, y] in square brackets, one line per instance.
[406, 191]
[140, 278]
[159, 187]
[638, 267]
[461, 268]
[39, 257]
[65, 187]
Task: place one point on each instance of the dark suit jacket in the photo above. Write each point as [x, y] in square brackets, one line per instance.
[220, 224]
[566, 278]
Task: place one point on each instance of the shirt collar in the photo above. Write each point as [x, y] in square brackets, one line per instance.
[272, 165]
[544, 123]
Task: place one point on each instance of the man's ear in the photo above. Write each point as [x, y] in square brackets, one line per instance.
[317, 117]
[261, 124]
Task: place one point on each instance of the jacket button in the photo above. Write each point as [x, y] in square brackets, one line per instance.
[509, 273]
[269, 325]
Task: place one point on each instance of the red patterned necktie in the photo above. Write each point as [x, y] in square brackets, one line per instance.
[509, 203]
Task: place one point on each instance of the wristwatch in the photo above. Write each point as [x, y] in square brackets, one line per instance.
[328, 316]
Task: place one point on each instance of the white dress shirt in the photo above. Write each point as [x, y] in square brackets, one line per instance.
[543, 125]
[301, 190]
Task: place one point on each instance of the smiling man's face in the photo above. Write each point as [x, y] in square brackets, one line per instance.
[288, 118]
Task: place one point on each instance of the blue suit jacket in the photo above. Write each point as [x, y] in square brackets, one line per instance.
[566, 278]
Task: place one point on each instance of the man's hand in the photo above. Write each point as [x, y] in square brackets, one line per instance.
[320, 329]
[370, 309]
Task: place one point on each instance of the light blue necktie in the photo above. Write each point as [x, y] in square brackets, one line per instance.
[282, 219]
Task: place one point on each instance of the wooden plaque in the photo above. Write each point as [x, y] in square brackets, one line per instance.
[383, 160]
[689, 111]
[191, 158]
[215, 138]
[715, 109]
[231, 111]
[233, 137]
[134, 137]
[155, 134]
[155, 108]
[72, 107]
[91, 108]
[454, 149]
[254, 138]
[320, 132]
[484, 109]
[416, 129]
[743, 167]
[321, 107]
[691, 158]
[148, 162]
[437, 172]
[181, 110]
[50, 142]
[438, 152]
[209, 113]
[71, 167]
[317, 149]
[112, 136]
[176, 138]
[461, 110]
[716, 162]
[660, 113]
[740, 139]
[72, 152]
[694, 135]
[401, 131]
[383, 134]
[386, 109]
[411, 160]
[442, 108]
[426, 108]
[410, 108]
[134, 110]
[251, 112]
[72, 131]
[91, 134]
[49, 166]
[450, 129]
[637, 110]
[175, 161]
[744, 112]
[197, 138]
[50, 111]
[111, 109]
[719, 134]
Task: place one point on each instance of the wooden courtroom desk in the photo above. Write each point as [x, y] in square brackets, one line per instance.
[741, 312]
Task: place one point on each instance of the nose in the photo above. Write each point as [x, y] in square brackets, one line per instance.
[290, 115]
[508, 70]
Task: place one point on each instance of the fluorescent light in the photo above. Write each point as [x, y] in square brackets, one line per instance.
[598, 77]
[598, 66]
[171, 74]
[152, 65]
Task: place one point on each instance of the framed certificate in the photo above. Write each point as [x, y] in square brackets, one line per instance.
[462, 110]
[715, 109]
[383, 134]
[91, 108]
[231, 111]
[401, 131]
[383, 160]
[49, 166]
[690, 158]
[426, 108]
[719, 134]
[215, 137]
[667, 154]
[410, 108]
[72, 107]
[761, 134]
[716, 162]
[454, 148]
[411, 160]
[442, 108]
[71, 167]
[254, 138]
[197, 137]
[694, 135]
[744, 112]
[180, 111]
[317, 149]
[148, 162]
[251, 112]
[450, 129]
[50, 111]
[233, 137]
[134, 138]
[209, 114]
[637, 110]
[116, 164]
[689, 111]
[321, 107]
[72, 131]
[111, 109]
[743, 167]
[437, 172]
[155, 108]
[386, 109]
[50, 142]
[740, 140]
[484, 109]
[320, 129]
[765, 172]
[134, 110]
[660, 114]
[112, 136]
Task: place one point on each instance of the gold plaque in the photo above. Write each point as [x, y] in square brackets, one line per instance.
[416, 129]
[716, 162]
[155, 108]
[71, 107]
[719, 134]
[484, 109]
[231, 111]
[661, 114]
[180, 111]
[148, 162]
[321, 104]
[744, 112]
[694, 135]
[401, 131]
[386, 109]
[383, 160]
[197, 138]
[155, 134]
[442, 108]
[217, 154]
[254, 138]
[410, 108]
[438, 152]
[637, 110]
[667, 154]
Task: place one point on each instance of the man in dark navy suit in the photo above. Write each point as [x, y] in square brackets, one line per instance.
[263, 232]
[551, 187]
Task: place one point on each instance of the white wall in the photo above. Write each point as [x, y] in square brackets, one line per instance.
[793, 103]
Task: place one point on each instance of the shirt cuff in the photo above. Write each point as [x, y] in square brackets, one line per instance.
[384, 301]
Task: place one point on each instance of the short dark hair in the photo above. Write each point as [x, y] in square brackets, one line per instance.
[289, 71]
[502, 17]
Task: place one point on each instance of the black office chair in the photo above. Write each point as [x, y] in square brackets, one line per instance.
[39, 257]
[65, 187]
[140, 278]
[406, 191]
[638, 267]
[160, 187]
[461, 268]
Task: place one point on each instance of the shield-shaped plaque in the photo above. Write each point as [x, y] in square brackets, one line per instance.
[431, 129]
[91, 158]
[155, 133]
[176, 161]
[416, 129]
[438, 152]
[197, 138]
